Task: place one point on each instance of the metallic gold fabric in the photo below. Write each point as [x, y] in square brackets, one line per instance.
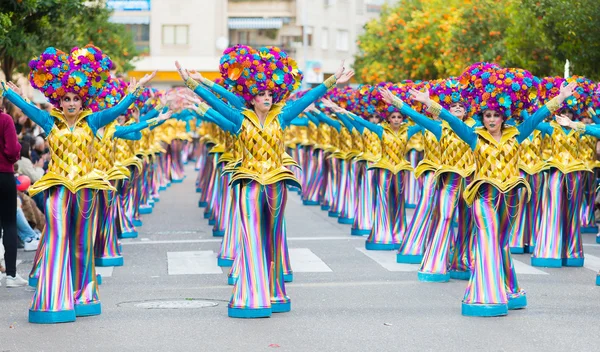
[531, 153]
[456, 155]
[393, 150]
[432, 155]
[566, 150]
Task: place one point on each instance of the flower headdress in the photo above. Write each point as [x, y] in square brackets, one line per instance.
[250, 71]
[447, 92]
[83, 72]
[578, 102]
[109, 96]
[508, 91]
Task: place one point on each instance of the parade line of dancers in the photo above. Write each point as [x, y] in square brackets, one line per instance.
[495, 161]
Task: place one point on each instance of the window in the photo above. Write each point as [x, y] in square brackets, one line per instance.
[175, 34]
[330, 3]
[341, 41]
[309, 35]
[141, 36]
[324, 39]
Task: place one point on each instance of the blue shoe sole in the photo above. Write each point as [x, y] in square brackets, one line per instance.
[249, 313]
[517, 250]
[381, 246]
[484, 310]
[41, 317]
[145, 211]
[546, 262]
[218, 233]
[310, 202]
[288, 277]
[133, 234]
[360, 232]
[517, 303]
[86, 310]
[460, 275]
[224, 262]
[109, 261]
[433, 277]
[346, 221]
[281, 307]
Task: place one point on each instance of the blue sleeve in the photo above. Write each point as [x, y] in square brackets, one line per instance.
[328, 120]
[346, 121]
[528, 126]
[312, 118]
[223, 109]
[377, 129]
[235, 100]
[218, 119]
[132, 136]
[358, 126]
[433, 126]
[104, 117]
[592, 130]
[595, 119]
[545, 128]
[298, 121]
[462, 130]
[149, 115]
[158, 124]
[302, 103]
[134, 127]
[412, 130]
[40, 117]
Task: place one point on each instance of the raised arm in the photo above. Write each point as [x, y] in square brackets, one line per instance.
[40, 117]
[235, 100]
[326, 119]
[462, 130]
[206, 113]
[412, 130]
[299, 121]
[345, 120]
[341, 76]
[377, 129]
[529, 125]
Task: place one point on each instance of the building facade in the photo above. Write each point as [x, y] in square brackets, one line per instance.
[317, 33]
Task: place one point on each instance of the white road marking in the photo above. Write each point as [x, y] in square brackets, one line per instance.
[303, 260]
[105, 271]
[526, 269]
[192, 263]
[591, 262]
[387, 259]
[215, 240]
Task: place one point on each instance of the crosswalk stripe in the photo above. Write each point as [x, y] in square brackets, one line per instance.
[591, 262]
[387, 259]
[526, 269]
[105, 271]
[192, 263]
[303, 260]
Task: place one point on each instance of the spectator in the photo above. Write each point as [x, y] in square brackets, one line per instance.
[9, 154]
[34, 215]
[38, 149]
[28, 236]
[26, 167]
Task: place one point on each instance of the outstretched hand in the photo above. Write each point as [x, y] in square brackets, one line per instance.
[14, 88]
[564, 120]
[566, 91]
[147, 78]
[387, 95]
[195, 75]
[182, 72]
[165, 116]
[422, 97]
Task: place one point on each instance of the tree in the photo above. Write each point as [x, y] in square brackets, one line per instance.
[27, 27]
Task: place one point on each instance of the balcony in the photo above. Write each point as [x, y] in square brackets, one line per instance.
[261, 8]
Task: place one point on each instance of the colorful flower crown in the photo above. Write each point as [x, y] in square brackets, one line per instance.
[83, 72]
[578, 102]
[447, 92]
[508, 91]
[250, 71]
[110, 95]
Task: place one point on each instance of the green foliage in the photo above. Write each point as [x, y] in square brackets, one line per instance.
[428, 39]
[27, 27]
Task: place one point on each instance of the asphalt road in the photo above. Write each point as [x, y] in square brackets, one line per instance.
[342, 298]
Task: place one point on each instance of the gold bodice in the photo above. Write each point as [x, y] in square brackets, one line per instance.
[393, 150]
[417, 143]
[531, 153]
[126, 151]
[105, 148]
[344, 144]
[263, 150]
[566, 150]
[323, 136]
[357, 144]
[72, 157]
[588, 151]
[303, 135]
[312, 134]
[456, 155]
[497, 163]
[371, 146]
[432, 155]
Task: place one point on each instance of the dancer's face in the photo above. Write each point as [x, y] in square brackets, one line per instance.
[568, 112]
[492, 121]
[395, 119]
[263, 101]
[458, 110]
[374, 119]
[71, 105]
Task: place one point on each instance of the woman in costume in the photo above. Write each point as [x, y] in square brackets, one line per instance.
[391, 172]
[493, 286]
[67, 284]
[559, 241]
[264, 79]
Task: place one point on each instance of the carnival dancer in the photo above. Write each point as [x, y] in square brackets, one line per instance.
[67, 284]
[493, 286]
[559, 241]
[263, 77]
[424, 219]
[390, 176]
